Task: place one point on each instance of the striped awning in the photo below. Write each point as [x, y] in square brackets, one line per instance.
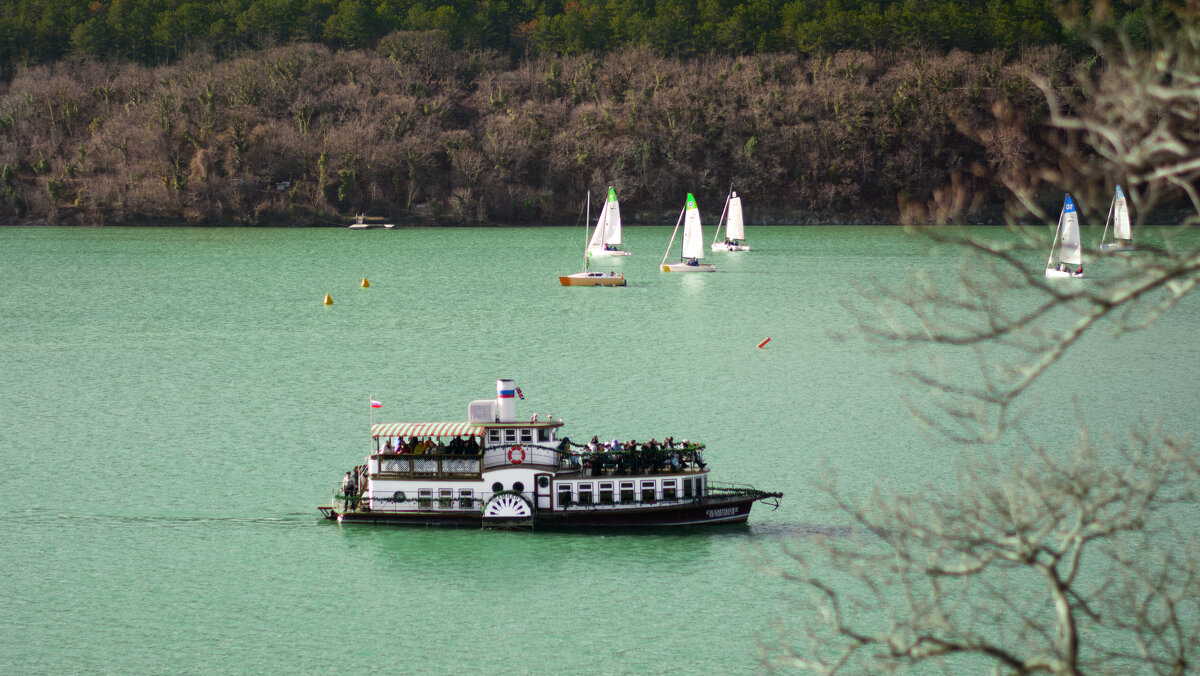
[427, 429]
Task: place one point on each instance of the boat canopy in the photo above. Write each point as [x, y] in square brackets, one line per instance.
[427, 429]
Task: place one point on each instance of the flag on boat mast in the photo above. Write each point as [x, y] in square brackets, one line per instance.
[520, 394]
[376, 404]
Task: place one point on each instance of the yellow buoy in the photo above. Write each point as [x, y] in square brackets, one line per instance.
[328, 300]
[365, 283]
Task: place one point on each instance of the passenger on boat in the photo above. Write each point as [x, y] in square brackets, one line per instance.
[1079, 271]
[387, 446]
[693, 261]
[534, 418]
[472, 446]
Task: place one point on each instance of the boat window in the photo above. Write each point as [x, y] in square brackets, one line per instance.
[585, 494]
[606, 493]
[564, 494]
[648, 491]
[543, 434]
[627, 491]
[494, 436]
[668, 489]
[700, 486]
[687, 487]
[518, 487]
[527, 435]
[510, 436]
[497, 487]
[424, 497]
[466, 498]
[446, 497]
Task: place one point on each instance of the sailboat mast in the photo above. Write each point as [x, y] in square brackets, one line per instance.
[1111, 206]
[723, 211]
[587, 217]
[673, 232]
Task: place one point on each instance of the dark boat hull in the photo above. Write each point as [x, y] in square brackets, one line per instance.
[729, 510]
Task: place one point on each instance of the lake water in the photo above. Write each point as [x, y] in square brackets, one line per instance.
[177, 402]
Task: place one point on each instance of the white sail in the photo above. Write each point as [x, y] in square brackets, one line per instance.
[597, 241]
[734, 228]
[1069, 250]
[1121, 229]
[693, 235]
[612, 216]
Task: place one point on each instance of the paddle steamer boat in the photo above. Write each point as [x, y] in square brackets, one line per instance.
[500, 472]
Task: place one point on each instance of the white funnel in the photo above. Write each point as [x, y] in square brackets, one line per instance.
[506, 400]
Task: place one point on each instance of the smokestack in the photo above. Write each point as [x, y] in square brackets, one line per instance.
[506, 400]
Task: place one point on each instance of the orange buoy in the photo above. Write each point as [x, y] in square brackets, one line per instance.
[764, 343]
[328, 300]
[365, 283]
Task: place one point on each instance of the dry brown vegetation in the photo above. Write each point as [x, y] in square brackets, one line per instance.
[416, 132]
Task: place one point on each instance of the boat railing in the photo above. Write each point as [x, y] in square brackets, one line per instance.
[426, 465]
[521, 454]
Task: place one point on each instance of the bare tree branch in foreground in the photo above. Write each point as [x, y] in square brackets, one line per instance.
[1045, 560]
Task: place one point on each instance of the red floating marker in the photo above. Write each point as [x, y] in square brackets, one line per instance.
[764, 342]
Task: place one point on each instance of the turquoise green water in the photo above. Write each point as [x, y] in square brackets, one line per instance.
[176, 402]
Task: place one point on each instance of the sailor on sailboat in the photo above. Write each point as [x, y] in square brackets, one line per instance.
[588, 278]
[735, 229]
[1118, 213]
[692, 250]
[1066, 243]
[606, 239]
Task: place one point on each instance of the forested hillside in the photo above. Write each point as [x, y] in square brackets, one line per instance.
[419, 133]
[157, 31]
[498, 111]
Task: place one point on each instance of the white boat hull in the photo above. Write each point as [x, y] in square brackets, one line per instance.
[684, 267]
[1055, 274]
[1116, 246]
[592, 279]
[721, 246]
[604, 252]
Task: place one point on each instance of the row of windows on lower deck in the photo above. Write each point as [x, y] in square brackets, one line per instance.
[642, 491]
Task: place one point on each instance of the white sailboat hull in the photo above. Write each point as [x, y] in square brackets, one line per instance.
[684, 267]
[1116, 246]
[605, 252]
[722, 246]
[592, 279]
[1052, 273]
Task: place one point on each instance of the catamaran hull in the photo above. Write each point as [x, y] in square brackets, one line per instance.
[592, 279]
[719, 246]
[684, 267]
[709, 512]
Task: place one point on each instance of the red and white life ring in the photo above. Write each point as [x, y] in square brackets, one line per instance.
[519, 452]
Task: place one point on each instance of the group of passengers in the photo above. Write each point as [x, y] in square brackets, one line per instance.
[432, 446]
[630, 457]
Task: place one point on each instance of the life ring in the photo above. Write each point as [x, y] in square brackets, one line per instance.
[519, 451]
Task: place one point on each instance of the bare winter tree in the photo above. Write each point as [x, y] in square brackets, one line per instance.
[1053, 560]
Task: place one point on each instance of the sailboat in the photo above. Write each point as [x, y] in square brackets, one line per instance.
[588, 278]
[735, 229]
[692, 249]
[1066, 244]
[1118, 213]
[606, 239]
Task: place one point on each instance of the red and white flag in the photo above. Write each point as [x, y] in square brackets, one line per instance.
[520, 394]
[376, 404]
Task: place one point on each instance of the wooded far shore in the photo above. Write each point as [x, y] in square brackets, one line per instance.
[415, 133]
